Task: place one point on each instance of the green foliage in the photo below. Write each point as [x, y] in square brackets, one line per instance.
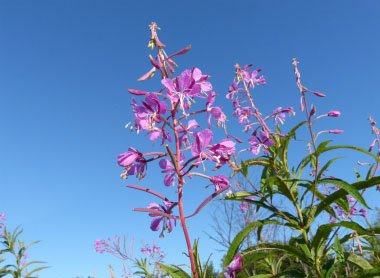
[16, 249]
[314, 251]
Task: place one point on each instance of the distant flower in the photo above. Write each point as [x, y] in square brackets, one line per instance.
[232, 90]
[363, 213]
[245, 205]
[252, 78]
[234, 267]
[146, 250]
[2, 216]
[100, 245]
[260, 142]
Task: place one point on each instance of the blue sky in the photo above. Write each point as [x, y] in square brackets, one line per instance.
[64, 70]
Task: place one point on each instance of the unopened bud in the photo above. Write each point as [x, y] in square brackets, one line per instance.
[313, 111]
[333, 114]
[336, 131]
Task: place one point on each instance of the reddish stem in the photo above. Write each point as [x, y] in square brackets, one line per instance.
[148, 190]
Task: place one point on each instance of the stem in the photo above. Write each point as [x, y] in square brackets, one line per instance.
[268, 202]
[180, 185]
[148, 190]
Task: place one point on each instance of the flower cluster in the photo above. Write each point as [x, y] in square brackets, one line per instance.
[154, 252]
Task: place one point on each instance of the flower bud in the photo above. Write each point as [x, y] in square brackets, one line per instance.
[334, 114]
[313, 111]
[336, 131]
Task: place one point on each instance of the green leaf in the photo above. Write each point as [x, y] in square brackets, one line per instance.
[341, 193]
[338, 249]
[290, 273]
[175, 272]
[240, 196]
[244, 169]
[358, 261]
[285, 248]
[348, 187]
[358, 175]
[368, 273]
[322, 146]
[283, 150]
[324, 231]
[239, 238]
[326, 166]
[352, 148]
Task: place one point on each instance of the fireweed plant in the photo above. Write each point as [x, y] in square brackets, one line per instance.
[15, 249]
[168, 116]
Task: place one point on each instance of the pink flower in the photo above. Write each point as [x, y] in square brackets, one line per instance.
[100, 245]
[220, 182]
[234, 267]
[263, 141]
[215, 112]
[167, 222]
[134, 163]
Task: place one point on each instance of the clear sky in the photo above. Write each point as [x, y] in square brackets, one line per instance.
[64, 70]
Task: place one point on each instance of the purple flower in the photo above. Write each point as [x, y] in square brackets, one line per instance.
[184, 89]
[186, 130]
[2, 216]
[215, 112]
[234, 267]
[245, 205]
[252, 77]
[148, 114]
[220, 182]
[263, 141]
[200, 79]
[156, 249]
[134, 163]
[156, 223]
[202, 140]
[232, 90]
[168, 167]
[279, 114]
[363, 213]
[221, 153]
[146, 250]
[100, 245]
[129, 158]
